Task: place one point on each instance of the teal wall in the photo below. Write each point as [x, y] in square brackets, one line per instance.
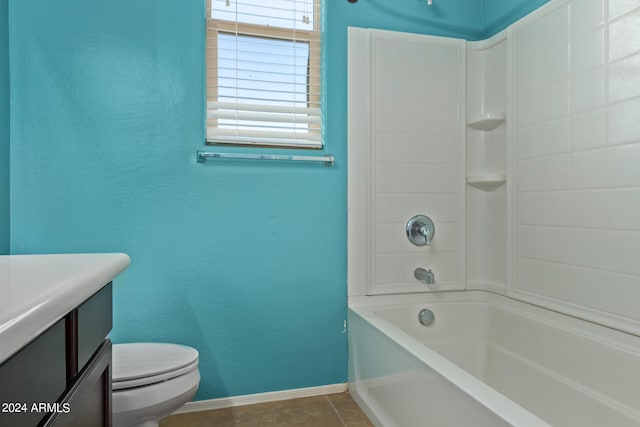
[4, 127]
[244, 261]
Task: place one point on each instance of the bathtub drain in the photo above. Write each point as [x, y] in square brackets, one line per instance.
[426, 317]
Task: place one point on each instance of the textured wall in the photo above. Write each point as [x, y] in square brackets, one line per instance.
[246, 262]
[4, 127]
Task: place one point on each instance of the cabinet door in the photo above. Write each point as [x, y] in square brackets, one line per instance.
[94, 323]
[33, 376]
[88, 402]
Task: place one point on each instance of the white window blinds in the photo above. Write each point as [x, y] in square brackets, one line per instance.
[264, 73]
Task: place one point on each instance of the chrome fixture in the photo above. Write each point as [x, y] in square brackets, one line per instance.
[425, 276]
[203, 156]
[426, 317]
[420, 230]
[429, 2]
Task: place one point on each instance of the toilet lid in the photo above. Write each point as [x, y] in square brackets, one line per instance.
[146, 363]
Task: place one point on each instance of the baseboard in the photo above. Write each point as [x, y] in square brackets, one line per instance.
[250, 399]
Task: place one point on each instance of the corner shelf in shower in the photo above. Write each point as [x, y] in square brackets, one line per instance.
[488, 181]
[487, 121]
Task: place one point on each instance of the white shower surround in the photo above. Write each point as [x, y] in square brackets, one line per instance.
[551, 199]
[406, 157]
[563, 231]
[574, 156]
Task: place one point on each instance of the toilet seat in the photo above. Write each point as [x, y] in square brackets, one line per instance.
[142, 364]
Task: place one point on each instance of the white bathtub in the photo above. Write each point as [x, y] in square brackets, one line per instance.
[488, 360]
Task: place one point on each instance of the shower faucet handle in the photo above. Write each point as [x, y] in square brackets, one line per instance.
[420, 230]
[426, 233]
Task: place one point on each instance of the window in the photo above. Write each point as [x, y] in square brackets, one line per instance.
[264, 73]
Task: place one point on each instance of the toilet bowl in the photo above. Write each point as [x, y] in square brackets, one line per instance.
[150, 381]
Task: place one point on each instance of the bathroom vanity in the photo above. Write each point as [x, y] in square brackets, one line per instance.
[55, 357]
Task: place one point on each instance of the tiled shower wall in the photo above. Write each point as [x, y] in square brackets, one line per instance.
[416, 92]
[411, 160]
[576, 156]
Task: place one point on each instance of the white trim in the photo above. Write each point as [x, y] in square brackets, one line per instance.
[250, 399]
[358, 158]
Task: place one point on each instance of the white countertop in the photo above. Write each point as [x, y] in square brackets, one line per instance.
[38, 290]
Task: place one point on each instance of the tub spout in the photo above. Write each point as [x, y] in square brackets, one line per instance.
[425, 276]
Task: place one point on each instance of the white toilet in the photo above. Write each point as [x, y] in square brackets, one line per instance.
[150, 381]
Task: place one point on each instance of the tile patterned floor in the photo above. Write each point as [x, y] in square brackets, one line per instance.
[337, 410]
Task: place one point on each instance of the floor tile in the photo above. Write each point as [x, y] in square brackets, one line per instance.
[311, 411]
[214, 418]
[334, 410]
[348, 410]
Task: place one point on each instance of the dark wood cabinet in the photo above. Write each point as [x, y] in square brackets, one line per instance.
[63, 376]
[89, 398]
